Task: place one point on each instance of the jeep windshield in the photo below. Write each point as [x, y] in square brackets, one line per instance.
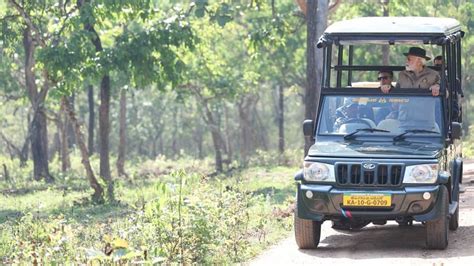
[380, 115]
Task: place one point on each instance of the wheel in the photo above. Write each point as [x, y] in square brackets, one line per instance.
[307, 232]
[454, 221]
[437, 230]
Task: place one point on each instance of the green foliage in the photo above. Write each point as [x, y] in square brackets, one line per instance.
[176, 218]
[273, 158]
[175, 60]
[148, 53]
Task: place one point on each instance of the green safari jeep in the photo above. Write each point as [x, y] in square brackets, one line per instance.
[377, 156]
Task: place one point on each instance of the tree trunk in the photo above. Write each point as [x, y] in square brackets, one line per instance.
[71, 139]
[317, 13]
[63, 126]
[122, 134]
[104, 126]
[104, 129]
[245, 107]
[39, 149]
[198, 137]
[262, 134]
[213, 125]
[155, 140]
[38, 130]
[385, 48]
[228, 136]
[217, 140]
[26, 146]
[90, 135]
[302, 5]
[174, 141]
[281, 120]
[55, 147]
[6, 175]
[98, 191]
[218, 151]
[161, 145]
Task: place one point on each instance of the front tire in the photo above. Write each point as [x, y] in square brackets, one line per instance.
[307, 232]
[454, 221]
[437, 230]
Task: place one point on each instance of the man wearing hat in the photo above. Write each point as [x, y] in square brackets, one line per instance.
[417, 75]
[418, 113]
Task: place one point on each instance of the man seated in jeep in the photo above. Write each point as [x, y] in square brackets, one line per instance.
[416, 74]
[381, 111]
[347, 112]
[385, 78]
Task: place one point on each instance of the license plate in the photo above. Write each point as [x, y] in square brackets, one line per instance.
[371, 200]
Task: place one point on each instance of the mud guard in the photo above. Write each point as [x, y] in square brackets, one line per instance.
[303, 212]
[433, 214]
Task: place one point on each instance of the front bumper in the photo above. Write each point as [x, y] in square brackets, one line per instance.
[326, 203]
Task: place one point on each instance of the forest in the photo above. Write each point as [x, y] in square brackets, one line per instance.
[146, 131]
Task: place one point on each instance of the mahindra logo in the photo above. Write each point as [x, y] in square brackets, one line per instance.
[368, 166]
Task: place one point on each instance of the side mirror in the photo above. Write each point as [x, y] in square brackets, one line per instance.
[456, 130]
[308, 126]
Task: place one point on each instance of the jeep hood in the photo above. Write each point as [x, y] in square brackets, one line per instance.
[365, 149]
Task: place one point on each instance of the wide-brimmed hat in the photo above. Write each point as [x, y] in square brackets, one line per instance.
[417, 51]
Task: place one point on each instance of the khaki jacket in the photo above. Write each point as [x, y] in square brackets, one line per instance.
[418, 113]
[424, 80]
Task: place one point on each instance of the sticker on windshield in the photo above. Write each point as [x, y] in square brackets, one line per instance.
[399, 100]
[365, 100]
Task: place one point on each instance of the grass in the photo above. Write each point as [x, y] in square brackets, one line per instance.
[162, 215]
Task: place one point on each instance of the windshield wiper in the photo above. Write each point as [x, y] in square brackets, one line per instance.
[368, 129]
[414, 131]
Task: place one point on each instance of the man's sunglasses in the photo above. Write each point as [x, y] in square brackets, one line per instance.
[385, 77]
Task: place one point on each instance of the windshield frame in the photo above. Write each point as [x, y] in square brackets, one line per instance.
[368, 93]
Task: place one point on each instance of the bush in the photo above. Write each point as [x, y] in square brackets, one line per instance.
[274, 158]
[182, 218]
[12, 174]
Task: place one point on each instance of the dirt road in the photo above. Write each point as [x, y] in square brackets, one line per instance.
[384, 245]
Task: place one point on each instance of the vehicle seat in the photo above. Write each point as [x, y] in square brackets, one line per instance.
[372, 124]
[350, 127]
[392, 125]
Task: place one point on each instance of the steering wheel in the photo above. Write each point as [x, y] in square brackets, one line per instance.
[357, 120]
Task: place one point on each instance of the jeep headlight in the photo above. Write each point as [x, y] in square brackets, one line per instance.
[319, 172]
[423, 173]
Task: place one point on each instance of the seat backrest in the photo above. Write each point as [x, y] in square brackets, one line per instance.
[369, 121]
[350, 127]
[392, 125]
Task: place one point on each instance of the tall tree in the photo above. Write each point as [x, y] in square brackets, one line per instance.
[385, 48]
[281, 120]
[312, 88]
[91, 127]
[122, 133]
[316, 18]
[97, 196]
[86, 10]
[32, 38]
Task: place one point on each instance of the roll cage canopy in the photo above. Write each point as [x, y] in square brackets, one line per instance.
[413, 31]
[444, 32]
[391, 30]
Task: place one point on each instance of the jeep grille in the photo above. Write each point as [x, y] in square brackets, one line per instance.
[380, 175]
